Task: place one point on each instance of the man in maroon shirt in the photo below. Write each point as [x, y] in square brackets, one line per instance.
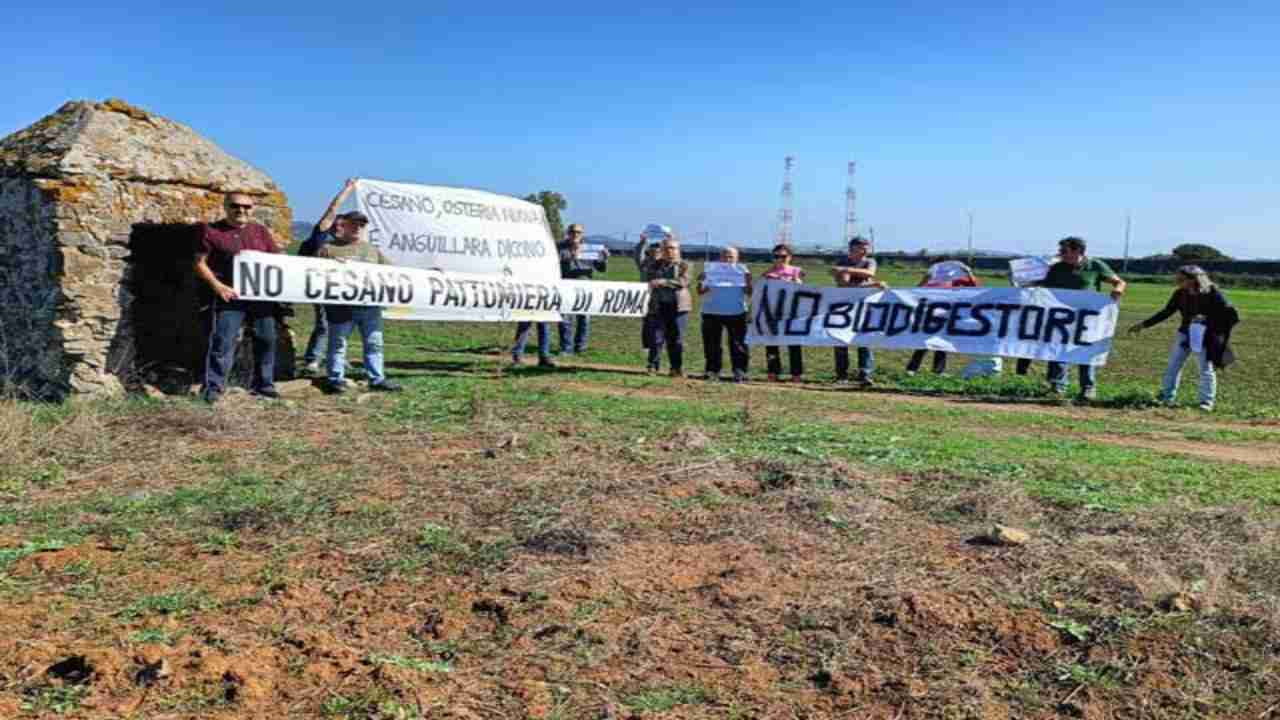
[219, 243]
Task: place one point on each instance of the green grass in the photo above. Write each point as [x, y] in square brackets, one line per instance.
[177, 602]
[663, 699]
[1131, 376]
[411, 663]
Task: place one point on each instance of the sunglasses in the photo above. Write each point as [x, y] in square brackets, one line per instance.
[238, 206]
[781, 255]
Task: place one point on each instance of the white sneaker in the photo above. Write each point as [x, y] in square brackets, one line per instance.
[1207, 407]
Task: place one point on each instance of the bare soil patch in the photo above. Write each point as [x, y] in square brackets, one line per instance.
[459, 575]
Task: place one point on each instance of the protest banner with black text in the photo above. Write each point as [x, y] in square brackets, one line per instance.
[459, 230]
[1070, 326]
[413, 294]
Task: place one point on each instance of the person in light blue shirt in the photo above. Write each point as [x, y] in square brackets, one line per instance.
[724, 309]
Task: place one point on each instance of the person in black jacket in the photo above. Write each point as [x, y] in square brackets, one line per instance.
[575, 267]
[330, 226]
[1205, 331]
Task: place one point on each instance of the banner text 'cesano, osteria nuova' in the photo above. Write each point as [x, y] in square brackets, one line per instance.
[440, 208]
[284, 278]
[433, 227]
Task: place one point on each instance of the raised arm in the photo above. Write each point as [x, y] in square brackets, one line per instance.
[638, 252]
[331, 212]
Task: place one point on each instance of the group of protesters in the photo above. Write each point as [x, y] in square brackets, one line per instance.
[338, 237]
[725, 310]
[1207, 318]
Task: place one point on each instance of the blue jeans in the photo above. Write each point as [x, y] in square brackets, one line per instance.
[1058, 376]
[522, 339]
[224, 321]
[1179, 351]
[572, 341]
[319, 339]
[866, 362]
[342, 320]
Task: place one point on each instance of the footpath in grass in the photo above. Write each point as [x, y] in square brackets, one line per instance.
[589, 543]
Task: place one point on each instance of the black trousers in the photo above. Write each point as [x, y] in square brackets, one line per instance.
[668, 329]
[713, 326]
[773, 358]
[939, 361]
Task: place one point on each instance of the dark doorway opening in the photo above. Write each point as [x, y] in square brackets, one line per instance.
[169, 340]
[169, 313]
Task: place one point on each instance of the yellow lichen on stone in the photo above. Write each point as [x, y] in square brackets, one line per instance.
[120, 106]
[65, 191]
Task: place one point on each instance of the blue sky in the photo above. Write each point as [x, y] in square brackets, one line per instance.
[1043, 121]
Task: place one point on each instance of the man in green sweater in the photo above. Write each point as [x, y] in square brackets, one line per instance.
[351, 245]
[1077, 271]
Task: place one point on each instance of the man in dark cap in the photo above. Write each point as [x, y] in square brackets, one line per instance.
[576, 329]
[1075, 270]
[331, 225]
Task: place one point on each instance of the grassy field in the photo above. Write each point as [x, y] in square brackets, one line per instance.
[1130, 379]
[592, 542]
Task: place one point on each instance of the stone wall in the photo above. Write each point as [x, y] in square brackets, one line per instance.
[30, 345]
[73, 188]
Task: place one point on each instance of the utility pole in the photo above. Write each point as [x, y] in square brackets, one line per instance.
[850, 201]
[970, 238]
[1127, 225]
[785, 213]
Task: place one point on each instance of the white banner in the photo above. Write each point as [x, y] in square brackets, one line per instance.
[948, 271]
[458, 230]
[412, 294]
[720, 274]
[1028, 270]
[1071, 326]
[590, 252]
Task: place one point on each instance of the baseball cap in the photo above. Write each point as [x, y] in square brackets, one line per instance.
[576, 227]
[355, 216]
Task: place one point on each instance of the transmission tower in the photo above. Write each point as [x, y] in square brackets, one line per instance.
[850, 199]
[784, 214]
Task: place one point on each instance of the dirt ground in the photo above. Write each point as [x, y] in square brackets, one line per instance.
[473, 577]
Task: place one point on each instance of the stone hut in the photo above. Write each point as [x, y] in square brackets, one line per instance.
[100, 207]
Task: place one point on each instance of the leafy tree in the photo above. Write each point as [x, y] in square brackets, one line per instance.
[552, 203]
[1194, 252]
